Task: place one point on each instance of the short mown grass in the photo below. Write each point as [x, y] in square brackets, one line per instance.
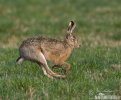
[95, 66]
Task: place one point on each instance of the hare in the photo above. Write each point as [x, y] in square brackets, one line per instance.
[40, 49]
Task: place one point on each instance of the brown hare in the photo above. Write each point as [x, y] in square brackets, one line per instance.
[41, 49]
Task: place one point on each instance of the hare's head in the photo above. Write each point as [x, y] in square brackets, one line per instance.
[70, 38]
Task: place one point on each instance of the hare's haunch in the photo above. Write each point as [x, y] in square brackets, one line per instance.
[41, 49]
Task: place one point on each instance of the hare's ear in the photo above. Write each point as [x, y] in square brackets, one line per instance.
[71, 27]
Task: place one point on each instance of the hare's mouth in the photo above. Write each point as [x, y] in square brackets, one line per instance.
[78, 46]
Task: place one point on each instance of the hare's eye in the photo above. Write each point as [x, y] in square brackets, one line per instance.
[72, 39]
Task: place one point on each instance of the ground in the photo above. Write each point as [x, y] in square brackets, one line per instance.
[95, 66]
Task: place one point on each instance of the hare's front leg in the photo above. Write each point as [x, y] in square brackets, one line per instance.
[67, 67]
[56, 66]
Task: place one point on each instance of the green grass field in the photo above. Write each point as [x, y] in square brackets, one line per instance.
[95, 66]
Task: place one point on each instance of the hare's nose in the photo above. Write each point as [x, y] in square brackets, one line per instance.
[79, 45]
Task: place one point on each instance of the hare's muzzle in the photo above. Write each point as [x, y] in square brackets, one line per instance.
[78, 46]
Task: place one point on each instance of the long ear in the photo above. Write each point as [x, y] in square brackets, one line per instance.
[71, 27]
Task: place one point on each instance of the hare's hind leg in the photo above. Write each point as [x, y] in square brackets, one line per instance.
[46, 69]
[45, 73]
[19, 60]
[66, 65]
[41, 61]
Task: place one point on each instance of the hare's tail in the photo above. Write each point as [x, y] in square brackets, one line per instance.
[19, 60]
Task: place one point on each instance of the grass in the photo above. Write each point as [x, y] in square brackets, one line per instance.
[98, 28]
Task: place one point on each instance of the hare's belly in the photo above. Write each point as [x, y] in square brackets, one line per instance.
[56, 58]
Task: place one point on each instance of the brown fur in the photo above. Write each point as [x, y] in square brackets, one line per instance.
[56, 51]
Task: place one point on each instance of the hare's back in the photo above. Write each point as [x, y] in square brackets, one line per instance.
[35, 41]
